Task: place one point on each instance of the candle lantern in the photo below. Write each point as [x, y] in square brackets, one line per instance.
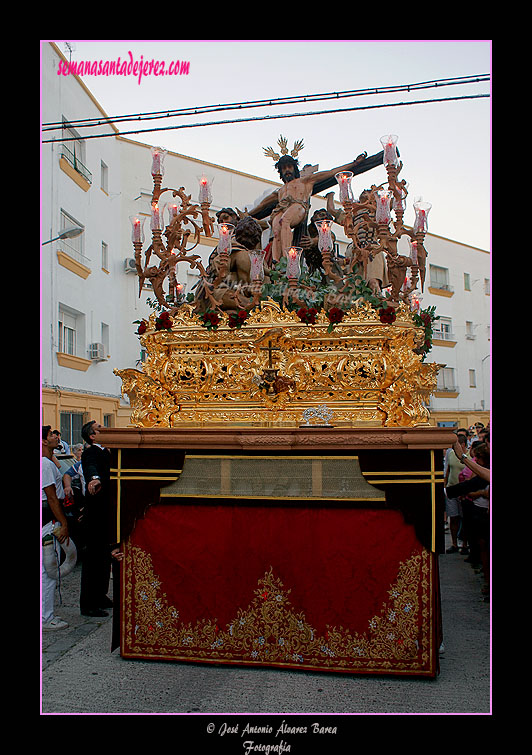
[399, 203]
[293, 269]
[325, 242]
[256, 258]
[344, 182]
[157, 164]
[224, 243]
[156, 217]
[172, 209]
[137, 228]
[383, 212]
[389, 143]
[205, 189]
[413, 252]
[421, 222]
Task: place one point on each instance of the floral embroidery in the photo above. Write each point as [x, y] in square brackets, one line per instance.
[270, 630]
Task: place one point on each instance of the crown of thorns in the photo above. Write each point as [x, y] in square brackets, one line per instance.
[283, 144]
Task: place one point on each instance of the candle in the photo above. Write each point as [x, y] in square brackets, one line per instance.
[155, 223]
[413, 252]
[256, 258]
[325, 242]
[292, 267]
[205, 193]
[422, 210]
[137, 228]
[172, 211]
[383, 214]
[224, 242]
[158, 155]
[344, 182]
[390, 152]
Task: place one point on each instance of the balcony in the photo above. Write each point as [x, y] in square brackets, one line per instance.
[74, 168]
[441, 289]
[443, 338]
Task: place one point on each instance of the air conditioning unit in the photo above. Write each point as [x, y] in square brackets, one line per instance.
[97, 352]
[129, 265]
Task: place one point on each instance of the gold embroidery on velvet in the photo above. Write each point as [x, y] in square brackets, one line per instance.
[269, 631]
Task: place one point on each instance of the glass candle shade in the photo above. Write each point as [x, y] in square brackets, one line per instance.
[156, 217]
[137, 227]
[225, 231]
[293, 267]
[383, 212]
[400, 204]
[256, 258]
[344, 182]
[205, 189]
[325, 242]
[157, 162]
[422, 211]
[389, 143]
[171, 208]
[413, 252]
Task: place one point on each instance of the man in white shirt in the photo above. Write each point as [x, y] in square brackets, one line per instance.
[52, 514]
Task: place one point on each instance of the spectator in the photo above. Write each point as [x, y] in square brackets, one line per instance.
[63, 448]
[96, 564]
[481, 519]
[52, 513]
[453, 467]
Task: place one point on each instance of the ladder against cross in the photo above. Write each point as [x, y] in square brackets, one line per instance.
[270, 349]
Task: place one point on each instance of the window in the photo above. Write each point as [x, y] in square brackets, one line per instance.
[472, 379]
[104, 177]
[108, 420]
[439, 277]
[67, 333]
[71, 424]
[105, 337]
[467, 282]
[446, 380]
[76, 244]
[443, 329]
[105, 256]
[487, 286]
[73, 151]
[470, 331]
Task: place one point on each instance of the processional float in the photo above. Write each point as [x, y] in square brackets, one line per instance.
[279, 491]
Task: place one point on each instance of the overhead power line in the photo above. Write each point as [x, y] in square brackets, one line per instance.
[266, 117]
[91, 122]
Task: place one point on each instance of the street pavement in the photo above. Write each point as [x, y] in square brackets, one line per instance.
[80, 675]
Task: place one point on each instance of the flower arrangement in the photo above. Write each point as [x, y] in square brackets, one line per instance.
[425, 319]
[237, 319]
[387, 315]
[307, 315]
[164, 321]
[211, 319]
[143, 326]
[335, 315]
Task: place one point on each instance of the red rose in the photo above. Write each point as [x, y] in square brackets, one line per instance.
[243, 314]
[142, 328]
[335, 314]
[387, 315]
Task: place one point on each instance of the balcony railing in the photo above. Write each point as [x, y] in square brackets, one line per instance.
[76, 163]
[442, 286]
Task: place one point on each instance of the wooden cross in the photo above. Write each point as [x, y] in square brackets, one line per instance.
[269, 349]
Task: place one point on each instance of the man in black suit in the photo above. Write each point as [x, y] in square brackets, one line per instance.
[96, 563]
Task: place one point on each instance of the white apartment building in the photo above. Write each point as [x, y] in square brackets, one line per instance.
[90, 293]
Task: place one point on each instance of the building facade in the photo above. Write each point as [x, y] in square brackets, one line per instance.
[90, 293]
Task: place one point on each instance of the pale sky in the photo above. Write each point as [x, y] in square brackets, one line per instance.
[445, 146]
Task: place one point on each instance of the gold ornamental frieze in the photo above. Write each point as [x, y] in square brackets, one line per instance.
[274, 367]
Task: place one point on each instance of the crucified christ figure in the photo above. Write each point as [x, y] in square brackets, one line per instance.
[292, 201]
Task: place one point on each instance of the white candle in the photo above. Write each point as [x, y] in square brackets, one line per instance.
[292, 267]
